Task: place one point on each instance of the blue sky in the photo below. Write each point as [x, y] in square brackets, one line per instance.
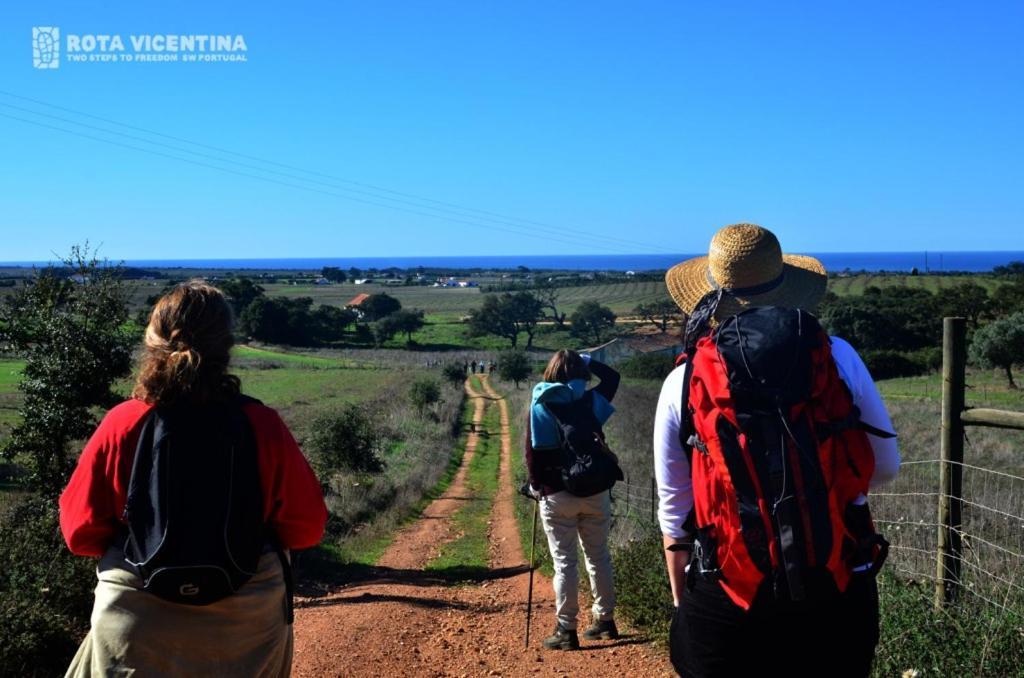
[622, 127]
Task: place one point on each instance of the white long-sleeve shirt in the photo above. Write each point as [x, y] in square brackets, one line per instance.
[675, 489]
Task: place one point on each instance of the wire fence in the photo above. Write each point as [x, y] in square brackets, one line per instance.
[991, 558]
[991, 561]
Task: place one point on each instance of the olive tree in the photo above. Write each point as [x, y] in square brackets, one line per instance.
[1000, 344]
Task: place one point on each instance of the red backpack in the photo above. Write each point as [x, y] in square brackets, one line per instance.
[777, 454]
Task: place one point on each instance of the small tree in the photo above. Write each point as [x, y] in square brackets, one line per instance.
[658, 313]
[240, 292]
[407, 321]
[454, 373]
[384, 329]
[506, 315]
[69, 324]
[1000, 344]
[548, 294]
[329, 322]
[1007, 299]
[514, 366]
[591, 320]
[345, 440]
[967, 299]
[423, 393]
[377, 306]
[334, 274]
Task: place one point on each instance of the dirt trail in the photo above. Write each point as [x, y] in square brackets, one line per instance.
[409, 622]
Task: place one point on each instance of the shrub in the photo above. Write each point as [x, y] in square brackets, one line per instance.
[45, 592]
[423, 393]
[345, 440]
[886, 364]
[514, 366]
[454, 373]
[641, 583]
[75, 346]
[648, 366]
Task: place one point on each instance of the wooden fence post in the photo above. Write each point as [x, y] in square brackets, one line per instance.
[954, 360]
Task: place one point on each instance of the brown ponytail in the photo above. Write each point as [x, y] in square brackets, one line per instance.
[188, 347]
[564, 366]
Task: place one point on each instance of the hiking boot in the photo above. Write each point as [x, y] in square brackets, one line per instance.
[602, 630]
[562, 639]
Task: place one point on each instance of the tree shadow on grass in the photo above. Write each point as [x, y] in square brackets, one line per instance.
[370, 598]
[317, 574]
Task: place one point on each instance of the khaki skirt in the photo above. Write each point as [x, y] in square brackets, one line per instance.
[135, 633]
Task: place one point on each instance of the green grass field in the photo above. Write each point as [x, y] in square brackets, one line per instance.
[856, 284]
[468, 554]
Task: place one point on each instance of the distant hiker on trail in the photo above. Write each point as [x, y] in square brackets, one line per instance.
[483, 366]
[472, 367]
[767, 438]
[492, 367]
[571, 471]
[191, 495]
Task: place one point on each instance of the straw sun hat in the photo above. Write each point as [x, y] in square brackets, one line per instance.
[746, 265]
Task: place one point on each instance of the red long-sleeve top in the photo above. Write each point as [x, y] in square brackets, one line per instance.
[92, 504]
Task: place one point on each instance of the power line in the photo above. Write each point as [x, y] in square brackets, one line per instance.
[261, 169]
[446, 206]
[299, 186]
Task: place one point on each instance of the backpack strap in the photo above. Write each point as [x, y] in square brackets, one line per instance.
[688, 434]
[825, 430]
[289, 583]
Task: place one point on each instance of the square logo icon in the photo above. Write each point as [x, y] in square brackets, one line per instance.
[46, 47]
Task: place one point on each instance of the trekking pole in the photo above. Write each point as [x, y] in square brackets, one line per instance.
[529, 595]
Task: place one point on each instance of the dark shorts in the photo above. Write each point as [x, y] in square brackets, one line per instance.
[835, 635]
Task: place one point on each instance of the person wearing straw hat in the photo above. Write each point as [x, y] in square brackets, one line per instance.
[771, 566]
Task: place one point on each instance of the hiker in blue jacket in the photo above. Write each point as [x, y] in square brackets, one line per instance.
[568, 518]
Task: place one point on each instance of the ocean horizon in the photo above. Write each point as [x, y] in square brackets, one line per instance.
[835, 262]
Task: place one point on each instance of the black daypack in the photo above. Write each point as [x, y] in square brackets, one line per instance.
[587, 465]
[194, 508]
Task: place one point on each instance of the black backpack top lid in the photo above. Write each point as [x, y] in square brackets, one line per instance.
[767, 353]
[587, 467]
[194, 508]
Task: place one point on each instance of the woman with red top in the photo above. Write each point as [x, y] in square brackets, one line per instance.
[136, 626]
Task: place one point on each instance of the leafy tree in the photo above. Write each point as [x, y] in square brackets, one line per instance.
[423, 393]
[454, 373]
[514, 366]
[329, 322]
[658, 313]
[1000, 344]
[548, 294]
[506, 315]
[71, 331]
[407, 321]
[384, 329]
[279, 320]
[967, 299]
[240, 292]
[345, 440]
[1014, 269]
[591, 320]
[1007, 299]
[380, 305]
[896, 319]
[334, 274]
